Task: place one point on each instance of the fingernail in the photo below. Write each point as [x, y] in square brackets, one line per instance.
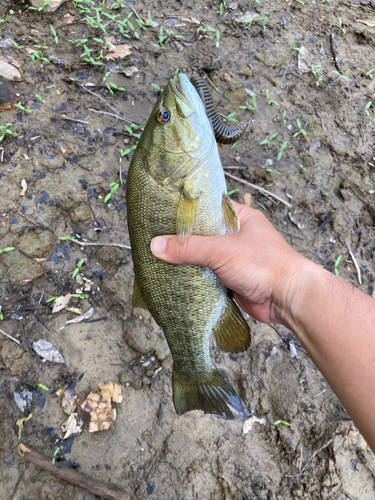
[158, 245]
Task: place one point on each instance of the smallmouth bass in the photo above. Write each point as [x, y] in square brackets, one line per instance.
[176, 185]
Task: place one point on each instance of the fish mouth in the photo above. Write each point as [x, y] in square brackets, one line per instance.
[179, 89]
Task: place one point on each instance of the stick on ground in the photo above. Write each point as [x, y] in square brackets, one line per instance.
[71, 475]
[262, 190]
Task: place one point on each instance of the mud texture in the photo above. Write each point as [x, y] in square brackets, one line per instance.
[71, 147]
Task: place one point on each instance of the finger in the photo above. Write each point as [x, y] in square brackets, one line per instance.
[196, 250]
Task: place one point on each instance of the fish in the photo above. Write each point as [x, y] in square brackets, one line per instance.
[176, 185]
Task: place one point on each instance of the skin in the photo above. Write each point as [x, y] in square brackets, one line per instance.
[273, 283]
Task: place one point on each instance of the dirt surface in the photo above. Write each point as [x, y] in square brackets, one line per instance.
[70, 148]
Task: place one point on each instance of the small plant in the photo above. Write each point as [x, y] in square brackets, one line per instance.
[156, 86]
[40, 99]
[341, 28]
[56, 38]
[44, 387]
[5, 129]
[79, 295]
[76, 270]
[338, 260]
[295, 47]
[54, 455]
[273, 171]
[230, 117]
[370, 71]
[115, 186]
[19, 106]
[367, 107]
[249, 106]
[7, 249]
[303, 168]
[269, 100]
[222, 8]
[282, 422]
[371, 191]
[340, 75]
[41, 6]
[316, 68]
[162, 40]
[318, 81]
[16, 44]
[268, 141]
[283, 146]
[127, 151]
[51, 299]
[300, 131]
[1, 314]
[229, 193]
[131, 130]
[4, 20]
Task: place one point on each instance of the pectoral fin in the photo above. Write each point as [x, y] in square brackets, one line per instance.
[230, 218]
[232, 333]
[186, 214]
[138, 300]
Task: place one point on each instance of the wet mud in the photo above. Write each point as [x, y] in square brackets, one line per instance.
[268, 61]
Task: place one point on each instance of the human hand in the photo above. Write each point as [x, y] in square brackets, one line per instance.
[257, 264]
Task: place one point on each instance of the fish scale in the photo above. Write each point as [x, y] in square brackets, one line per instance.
[188, 302]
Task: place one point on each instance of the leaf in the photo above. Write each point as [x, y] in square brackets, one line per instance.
[24, 187]
[121, 51]
[47, 351]
[61, 303]
[20, 423]
[42, 386]
[282, 422]
[367, 22]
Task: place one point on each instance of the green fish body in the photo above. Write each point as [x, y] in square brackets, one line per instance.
[176, 185]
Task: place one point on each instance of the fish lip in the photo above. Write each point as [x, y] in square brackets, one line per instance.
[178, 91]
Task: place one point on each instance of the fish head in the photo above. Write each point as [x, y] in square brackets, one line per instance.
[178, 135]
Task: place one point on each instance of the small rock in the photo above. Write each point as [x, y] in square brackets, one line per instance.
[35, 244]
[51, 7]
[52, 163]
[81, 213]
[263, 174]
[227, 77]
[130, 70]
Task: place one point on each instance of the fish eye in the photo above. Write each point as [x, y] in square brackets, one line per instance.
[163, 116]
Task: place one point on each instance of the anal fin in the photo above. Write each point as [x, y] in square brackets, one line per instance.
[230, 218]
[138, 300]
[232, 333]
[210, 392]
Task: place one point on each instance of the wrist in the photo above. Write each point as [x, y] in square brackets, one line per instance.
[292, 284]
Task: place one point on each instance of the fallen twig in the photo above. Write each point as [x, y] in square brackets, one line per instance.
[74, 120]
[334, 53]
[28, 218]
[258, 188]
[71, 475]
[306, 464]
[10, 337]
[214, 86]
[135, 12]
[355, 263]
[110, 107]
[87, 244]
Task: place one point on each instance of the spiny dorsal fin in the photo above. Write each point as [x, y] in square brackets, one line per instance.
[138, 300]
[232, 333]
[230, 219]
[186, 214]
[210, 392]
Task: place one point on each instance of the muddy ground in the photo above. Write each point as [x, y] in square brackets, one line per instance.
[69, 155]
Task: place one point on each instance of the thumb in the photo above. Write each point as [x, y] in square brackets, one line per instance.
[197, 250]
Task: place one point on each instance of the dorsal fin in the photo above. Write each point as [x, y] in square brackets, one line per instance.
[232, 333]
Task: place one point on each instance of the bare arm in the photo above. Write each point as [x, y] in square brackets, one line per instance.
[275, 284]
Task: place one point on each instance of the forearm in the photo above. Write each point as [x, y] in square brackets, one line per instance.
[336, 324]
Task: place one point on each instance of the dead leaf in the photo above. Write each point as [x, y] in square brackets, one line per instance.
[69, 19]
[247, 199]
[367, 22]
[74, 310]
[20, 423]
[24, 187]
[63, 150]
[99, 407]
[121, 51]
[40, 259]
[73, 426]
[47, 351]
[25, 156]
[61, 302]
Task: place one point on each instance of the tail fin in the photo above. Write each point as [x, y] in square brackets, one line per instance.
[210, 392]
